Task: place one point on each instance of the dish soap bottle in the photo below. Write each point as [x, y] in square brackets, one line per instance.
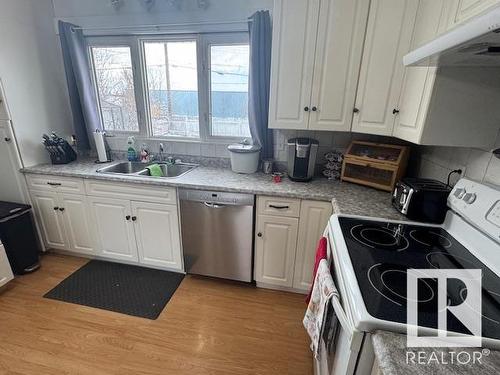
[131, 152]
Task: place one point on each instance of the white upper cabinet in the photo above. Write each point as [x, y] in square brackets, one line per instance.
[295, 24]
[388, 38]
[462, 10]
[452, 106]
[339, 46]
[317, 46]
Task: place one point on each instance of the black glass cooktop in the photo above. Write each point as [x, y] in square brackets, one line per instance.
[381, 253]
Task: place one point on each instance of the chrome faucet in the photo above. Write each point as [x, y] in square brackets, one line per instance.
[160, 153]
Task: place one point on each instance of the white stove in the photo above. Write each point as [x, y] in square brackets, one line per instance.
[371, 258]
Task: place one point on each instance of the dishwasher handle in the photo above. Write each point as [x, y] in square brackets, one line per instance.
[213, 205]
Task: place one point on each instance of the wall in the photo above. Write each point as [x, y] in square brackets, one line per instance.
[476, 164]
[98, 13]
[32, 74]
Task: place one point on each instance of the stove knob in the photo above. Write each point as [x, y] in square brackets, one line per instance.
[459, 193]
[469, 198]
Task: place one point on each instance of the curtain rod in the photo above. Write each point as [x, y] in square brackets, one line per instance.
[160, 26]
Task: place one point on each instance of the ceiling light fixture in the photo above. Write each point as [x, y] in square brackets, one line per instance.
[203, 4]
[148, 4]
[116, 4]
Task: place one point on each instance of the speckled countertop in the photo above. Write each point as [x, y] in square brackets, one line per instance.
[347, 198]
[391, 353]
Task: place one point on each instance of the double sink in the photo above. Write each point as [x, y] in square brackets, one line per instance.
[170, 170]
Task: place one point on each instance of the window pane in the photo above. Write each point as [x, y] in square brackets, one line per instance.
[229, 90]
[115, 86]
[172, 80]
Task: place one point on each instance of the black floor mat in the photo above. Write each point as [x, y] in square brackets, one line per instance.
[122, 288]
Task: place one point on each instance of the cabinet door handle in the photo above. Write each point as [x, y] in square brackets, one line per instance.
[355, 110]
[127, 217]
[54, 183]
[279, 207]
[61, 209]
[7, 139]
[259, 234]
[306, 108]
[314, 109]
[56, 208]
[134, 218]
[395, 111]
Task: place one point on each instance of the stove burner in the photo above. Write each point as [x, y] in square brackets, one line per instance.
[379, 237]
[393, 284]
[463, 296]
[430, 238]
[442, 260]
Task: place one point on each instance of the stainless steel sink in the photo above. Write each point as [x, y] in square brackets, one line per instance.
[126, 167]
[139, 169]
[172, 170]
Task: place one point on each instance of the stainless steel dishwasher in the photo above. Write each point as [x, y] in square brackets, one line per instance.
[217, 233]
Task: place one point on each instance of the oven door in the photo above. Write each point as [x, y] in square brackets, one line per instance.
[342, 357]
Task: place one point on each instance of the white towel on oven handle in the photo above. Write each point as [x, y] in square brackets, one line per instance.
[323, 291]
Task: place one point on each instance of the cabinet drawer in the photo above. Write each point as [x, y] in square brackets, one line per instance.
[278, 206]
[140, 193]
[55, 183]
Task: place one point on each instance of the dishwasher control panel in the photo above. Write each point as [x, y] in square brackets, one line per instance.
[216, 197]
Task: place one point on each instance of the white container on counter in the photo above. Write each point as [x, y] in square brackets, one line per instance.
[244, 158]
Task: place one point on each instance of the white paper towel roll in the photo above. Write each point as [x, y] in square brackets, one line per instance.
[101, 147]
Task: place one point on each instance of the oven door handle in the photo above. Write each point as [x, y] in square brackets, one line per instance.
[341, 315]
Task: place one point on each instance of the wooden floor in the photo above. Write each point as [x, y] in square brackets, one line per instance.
[208, 327]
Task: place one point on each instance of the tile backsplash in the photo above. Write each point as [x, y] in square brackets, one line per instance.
[327, 141]
[425, 161]
[476, 164]
[212, 153]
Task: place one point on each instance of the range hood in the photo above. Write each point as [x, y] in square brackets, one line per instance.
[473, 43]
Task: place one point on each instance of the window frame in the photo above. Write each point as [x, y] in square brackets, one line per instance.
[142, 40]
[218, 39]
[139, 70]
[119, 41]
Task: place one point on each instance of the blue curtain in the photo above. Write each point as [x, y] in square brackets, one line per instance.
[81, 92]
[259, 27]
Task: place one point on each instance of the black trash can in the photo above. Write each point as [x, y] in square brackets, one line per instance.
[18, 235]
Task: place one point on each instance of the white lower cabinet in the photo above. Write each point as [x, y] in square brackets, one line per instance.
[106, 219]
[285, 246]
[275, 249]
[138, 231]
[114, 228]
[5, 271]
[77, 223]
[46, 205]
[64, 221]
[157, 234]
[313, 220]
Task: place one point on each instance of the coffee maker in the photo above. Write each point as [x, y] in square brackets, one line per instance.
[302, 158]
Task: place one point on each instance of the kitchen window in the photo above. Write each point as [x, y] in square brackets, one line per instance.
[188, 87]
[115, 88]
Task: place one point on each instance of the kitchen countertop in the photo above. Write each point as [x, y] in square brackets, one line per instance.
[346, 198]
[390, 352]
